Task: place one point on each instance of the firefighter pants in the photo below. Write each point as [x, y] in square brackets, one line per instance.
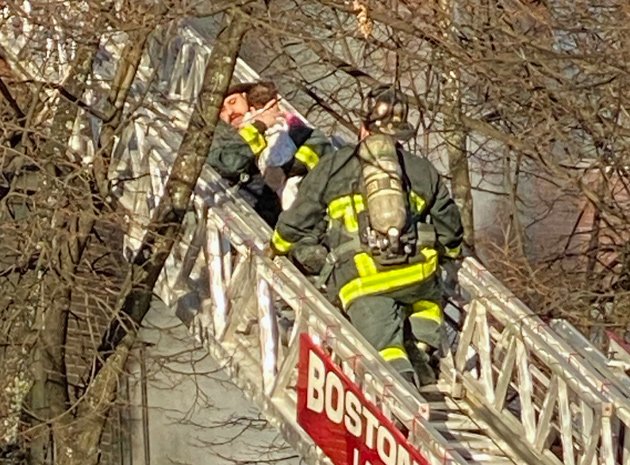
[381, 319]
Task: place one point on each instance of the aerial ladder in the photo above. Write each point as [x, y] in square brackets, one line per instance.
[512, 389]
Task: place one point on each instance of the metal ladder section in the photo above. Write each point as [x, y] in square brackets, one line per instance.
[511, 390]
[613, 368]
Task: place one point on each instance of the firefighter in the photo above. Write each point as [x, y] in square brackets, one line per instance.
[239, 141]
[388, 220]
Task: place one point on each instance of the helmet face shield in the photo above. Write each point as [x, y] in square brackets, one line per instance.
[385, 110]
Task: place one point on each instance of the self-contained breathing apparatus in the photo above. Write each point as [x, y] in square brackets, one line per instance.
[388, 230]
[387, 227]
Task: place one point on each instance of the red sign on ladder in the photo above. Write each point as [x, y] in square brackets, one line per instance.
[350, 429]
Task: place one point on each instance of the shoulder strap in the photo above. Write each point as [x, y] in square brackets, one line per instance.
[351, 246]
[405, 177]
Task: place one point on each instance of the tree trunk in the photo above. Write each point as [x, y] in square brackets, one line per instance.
[79, 443]
[456, 139]
[70, 227]
[165, 224]
[128, 67]
[454, 132]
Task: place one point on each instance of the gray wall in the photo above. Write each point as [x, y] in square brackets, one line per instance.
[195, 414]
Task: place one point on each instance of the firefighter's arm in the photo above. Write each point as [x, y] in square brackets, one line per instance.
[313, 149]
[230, 155]
[301, 222]
[446, 218]
[253, 135]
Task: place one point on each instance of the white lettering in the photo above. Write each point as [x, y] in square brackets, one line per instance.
[353, 414]
[333, 384]
[326, 392]
[403, 456]
[370, 425]
[315, 388]
[386, 446]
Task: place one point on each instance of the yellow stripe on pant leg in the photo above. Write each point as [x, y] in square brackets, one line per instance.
[280, 243]
[427, 310]
[393, 353]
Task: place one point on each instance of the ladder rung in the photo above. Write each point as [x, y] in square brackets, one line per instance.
[489, 459]
[475, 447]
[444, 404]
[455, 423]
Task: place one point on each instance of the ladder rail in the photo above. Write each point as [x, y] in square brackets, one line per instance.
[576, 395]
[609, 369]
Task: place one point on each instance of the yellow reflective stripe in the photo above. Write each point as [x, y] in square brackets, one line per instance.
[417, 202]
[351, 222]
[389, 280]
[365, 264]
[280, 244]
[393, 353]
[427, 310]
[254, 139]
[342, 208]
[454, 252]
[338, 207]
[307, 155]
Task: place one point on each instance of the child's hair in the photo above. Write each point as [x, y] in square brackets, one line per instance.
[261, 93]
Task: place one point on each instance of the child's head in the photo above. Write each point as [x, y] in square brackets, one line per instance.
[261, 93]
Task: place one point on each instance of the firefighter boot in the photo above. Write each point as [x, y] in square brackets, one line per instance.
[418, 354]
[424, 370]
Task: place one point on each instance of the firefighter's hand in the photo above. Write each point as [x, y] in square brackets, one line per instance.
[310, 258]
[270, 114]
[269, 251]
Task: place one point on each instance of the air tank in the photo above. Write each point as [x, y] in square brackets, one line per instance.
[382, 176]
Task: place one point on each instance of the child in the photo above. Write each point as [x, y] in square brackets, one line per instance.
[281, 148]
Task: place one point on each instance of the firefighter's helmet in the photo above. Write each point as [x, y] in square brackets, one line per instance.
[385, 110]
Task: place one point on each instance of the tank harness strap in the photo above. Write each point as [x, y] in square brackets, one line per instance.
[334, 256]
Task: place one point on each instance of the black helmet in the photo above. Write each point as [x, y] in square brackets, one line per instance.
[385, 110]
